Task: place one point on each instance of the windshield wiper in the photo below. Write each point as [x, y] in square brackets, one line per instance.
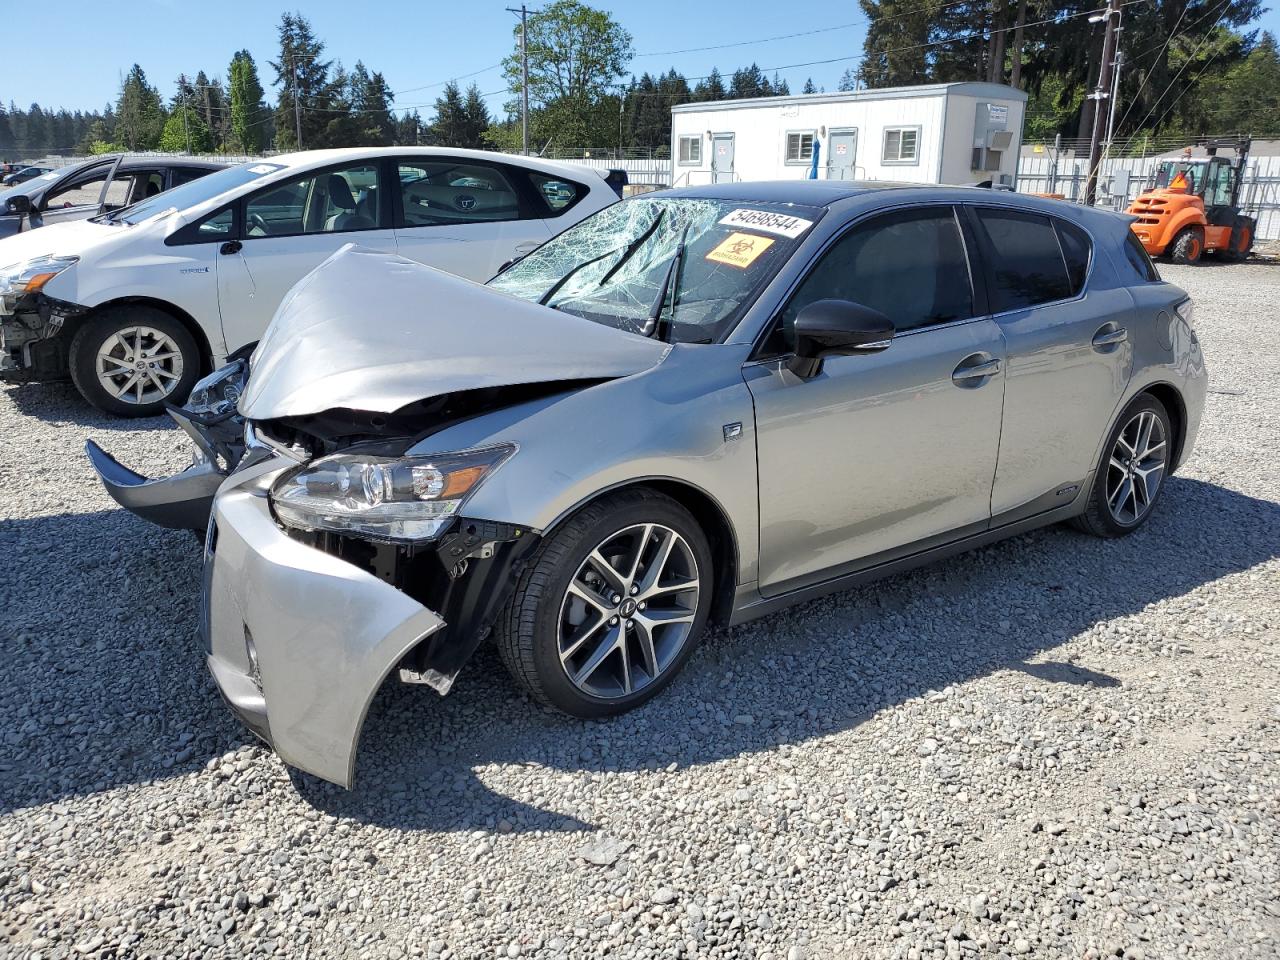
[555, 287]
[653, 325]
[626, 252]
[632, 247]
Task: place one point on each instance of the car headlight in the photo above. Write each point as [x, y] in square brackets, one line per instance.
[220, 391]
[396, 499]
[29, 276]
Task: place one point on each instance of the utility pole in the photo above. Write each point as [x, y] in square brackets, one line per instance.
[1101, 92]
[297, 105]
[1115, 99]
[523, 13]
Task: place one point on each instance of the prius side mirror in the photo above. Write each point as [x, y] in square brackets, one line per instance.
[19, 204]
[829, 328]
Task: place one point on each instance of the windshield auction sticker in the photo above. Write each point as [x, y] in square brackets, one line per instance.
[768, 221]
[740, 249]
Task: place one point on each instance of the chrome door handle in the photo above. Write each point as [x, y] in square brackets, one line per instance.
[1109, 338]
[969, 370]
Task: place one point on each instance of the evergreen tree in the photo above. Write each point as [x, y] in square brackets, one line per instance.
[8, 142]
[475, 119]
[248, 113]
[712, 88]
[808, 86]
[308, 97]
[371, 106]
[749, 82]
[139, 113]
[449, 127]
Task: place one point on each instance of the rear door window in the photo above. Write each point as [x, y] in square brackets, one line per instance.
[1025, 259]
[444, 191]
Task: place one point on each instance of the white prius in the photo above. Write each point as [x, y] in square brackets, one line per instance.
[135, 304]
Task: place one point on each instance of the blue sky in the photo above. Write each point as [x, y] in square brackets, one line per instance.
[78, 61]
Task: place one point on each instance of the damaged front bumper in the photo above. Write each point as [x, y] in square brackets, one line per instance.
[299, 639]
[182, 501]
[35, 337]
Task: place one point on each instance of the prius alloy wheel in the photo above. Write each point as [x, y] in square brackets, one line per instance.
[139, 365]
[611, 606]
[1131, 476]
[131, 361]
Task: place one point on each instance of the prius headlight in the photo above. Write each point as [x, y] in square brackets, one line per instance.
[30, 276]
[397, 499]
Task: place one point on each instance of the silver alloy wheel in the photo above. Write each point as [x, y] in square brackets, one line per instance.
[628, 611]
[1136, 468]
[139, 365]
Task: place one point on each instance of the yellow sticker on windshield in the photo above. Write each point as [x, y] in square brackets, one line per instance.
[740, 249]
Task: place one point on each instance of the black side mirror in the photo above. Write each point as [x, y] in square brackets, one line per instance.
[19, 204]
[829, 328]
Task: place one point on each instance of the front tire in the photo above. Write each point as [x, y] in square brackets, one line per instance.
[611, 606]
[130, 361]
[1187, 246]
[1130, 477]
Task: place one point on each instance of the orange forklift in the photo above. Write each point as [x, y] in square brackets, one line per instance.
[1194, 206]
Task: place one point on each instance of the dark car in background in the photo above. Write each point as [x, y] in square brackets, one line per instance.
[84, 190]
[22, 174]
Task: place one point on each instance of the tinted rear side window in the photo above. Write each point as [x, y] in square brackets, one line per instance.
[1027, 266]
[1136, 256]
[1075, 250]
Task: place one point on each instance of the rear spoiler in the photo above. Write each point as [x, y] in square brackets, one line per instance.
[617, 179]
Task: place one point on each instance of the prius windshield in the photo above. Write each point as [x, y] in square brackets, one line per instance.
[680, 268]
[197, 191]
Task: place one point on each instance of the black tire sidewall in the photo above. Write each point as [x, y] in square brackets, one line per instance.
[87, 340]
[557, 686]
[1184, 237]
[1099, 513]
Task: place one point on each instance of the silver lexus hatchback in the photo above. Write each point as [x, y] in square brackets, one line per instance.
[695, 406]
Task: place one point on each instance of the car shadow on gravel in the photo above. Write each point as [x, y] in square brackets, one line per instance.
[104, 687]
[825, 666]
[102, 682]
[61, 403]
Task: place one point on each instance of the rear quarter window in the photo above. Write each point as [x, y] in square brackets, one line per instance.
[1076, 251]
[1137, 260]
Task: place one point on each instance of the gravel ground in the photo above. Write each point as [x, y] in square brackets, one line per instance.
[1054, 747]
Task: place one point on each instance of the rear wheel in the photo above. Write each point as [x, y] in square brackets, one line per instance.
[1187, 246]
[131, 360]
[1131, 474]
[610, 607]
[1242, 238]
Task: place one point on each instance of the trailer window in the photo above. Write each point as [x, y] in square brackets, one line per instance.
[901, 145]
[800, 147]
[691, 150]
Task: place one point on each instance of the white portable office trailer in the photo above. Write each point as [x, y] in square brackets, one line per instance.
[937, 133]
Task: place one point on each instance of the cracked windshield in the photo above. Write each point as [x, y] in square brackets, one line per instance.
[682, 270]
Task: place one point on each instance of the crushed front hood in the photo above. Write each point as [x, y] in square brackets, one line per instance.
[374, 331]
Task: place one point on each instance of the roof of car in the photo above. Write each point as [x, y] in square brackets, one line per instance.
[339, 154]
[813, 193]
[133, 163]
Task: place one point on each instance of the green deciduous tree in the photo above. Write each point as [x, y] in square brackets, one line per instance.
[577, 55]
